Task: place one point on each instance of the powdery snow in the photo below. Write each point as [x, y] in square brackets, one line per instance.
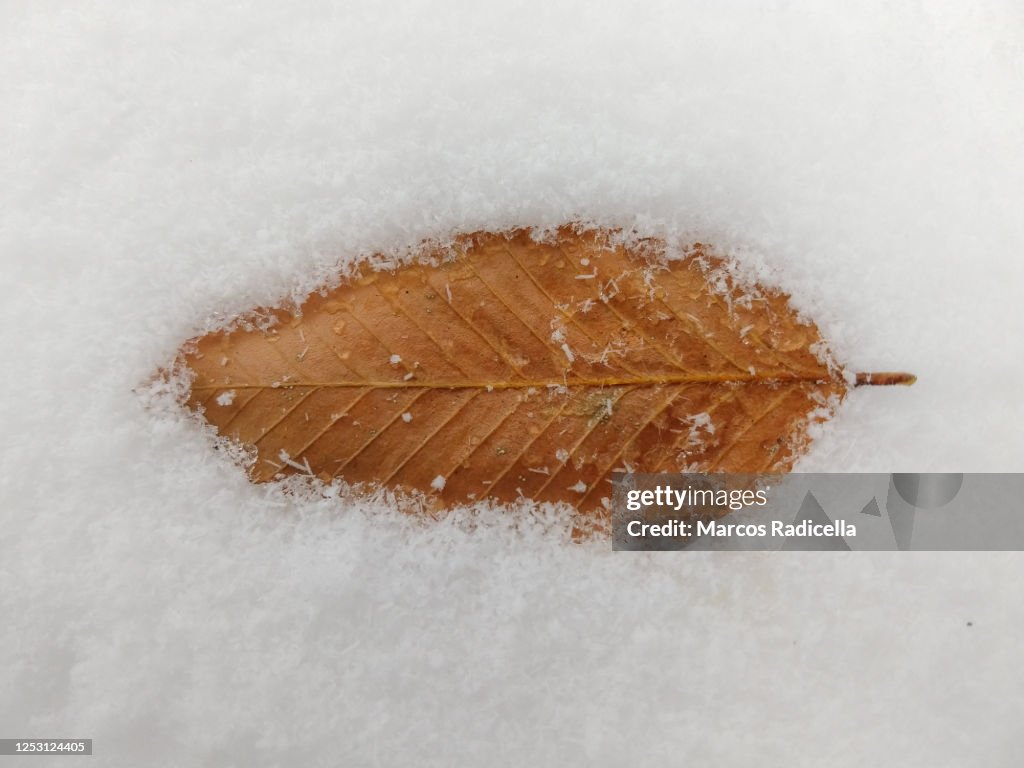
[166, 166]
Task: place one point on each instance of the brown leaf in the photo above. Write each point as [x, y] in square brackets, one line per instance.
[524, 369]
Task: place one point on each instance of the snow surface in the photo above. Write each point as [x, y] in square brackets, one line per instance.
[165, 166]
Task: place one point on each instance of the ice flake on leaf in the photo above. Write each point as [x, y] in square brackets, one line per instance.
[700, 422]
[303, 467]
[226, 398]
[609, 290]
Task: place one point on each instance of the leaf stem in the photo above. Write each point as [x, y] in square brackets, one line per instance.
[885, 379]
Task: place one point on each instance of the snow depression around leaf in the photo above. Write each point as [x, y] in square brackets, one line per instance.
[512, 366]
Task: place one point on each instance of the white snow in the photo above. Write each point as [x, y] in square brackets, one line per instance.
[166, 166]
[406, 417]
[438, 483]
[226, 398]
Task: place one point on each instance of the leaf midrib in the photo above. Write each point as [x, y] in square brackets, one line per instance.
[626, 381]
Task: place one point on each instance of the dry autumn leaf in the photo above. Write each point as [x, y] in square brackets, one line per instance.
[508, 368]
